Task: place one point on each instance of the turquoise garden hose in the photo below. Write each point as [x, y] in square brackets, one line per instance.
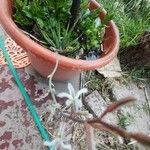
[35, 116]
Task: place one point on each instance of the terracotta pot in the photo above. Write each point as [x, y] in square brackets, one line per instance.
[43, 60]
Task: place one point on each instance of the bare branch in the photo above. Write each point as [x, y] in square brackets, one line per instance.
[89, 137]
[116, 105]
[141, 138]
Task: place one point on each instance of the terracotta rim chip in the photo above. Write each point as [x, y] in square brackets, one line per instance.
[17, 54]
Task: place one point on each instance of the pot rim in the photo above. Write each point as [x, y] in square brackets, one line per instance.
[34, 48]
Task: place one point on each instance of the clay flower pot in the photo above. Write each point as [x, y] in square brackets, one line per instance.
[44, 60]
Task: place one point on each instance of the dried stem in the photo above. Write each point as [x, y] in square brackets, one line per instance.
[89, 137]
[51, 86]
[141, 138]
[33, 37]
[71, 117]
[116, 105]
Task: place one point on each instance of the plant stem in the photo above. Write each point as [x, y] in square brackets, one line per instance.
[74, 12]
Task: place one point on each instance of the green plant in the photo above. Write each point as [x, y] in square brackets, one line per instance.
[65, 26]
[142, 74]
[132, 18]
[93, 28]
[124, 120]
[60, 38]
